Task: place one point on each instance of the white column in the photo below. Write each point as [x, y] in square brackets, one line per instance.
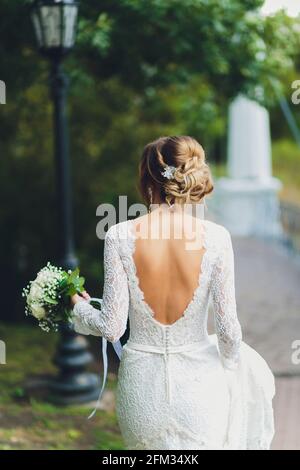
[249, 141]
[246, 200]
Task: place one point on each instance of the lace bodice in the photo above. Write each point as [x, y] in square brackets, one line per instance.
[122, 297]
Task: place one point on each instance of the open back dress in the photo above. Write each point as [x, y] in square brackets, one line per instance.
[178, 386]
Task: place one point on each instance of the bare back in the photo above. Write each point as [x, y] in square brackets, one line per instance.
[168, 266]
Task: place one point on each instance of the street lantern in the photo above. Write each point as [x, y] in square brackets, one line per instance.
[55, 27]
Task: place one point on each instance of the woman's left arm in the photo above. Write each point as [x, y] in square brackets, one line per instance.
[227, 325]
[109, 322]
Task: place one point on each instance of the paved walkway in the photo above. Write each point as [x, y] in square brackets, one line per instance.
[287, 414]
[268, 300]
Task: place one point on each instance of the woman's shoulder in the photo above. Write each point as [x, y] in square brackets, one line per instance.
[118, 231]
[217, 228]
[217, 234]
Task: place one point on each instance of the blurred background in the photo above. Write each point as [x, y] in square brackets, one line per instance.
[137, 71]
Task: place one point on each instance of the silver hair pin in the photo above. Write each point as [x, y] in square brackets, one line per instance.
[168, 172]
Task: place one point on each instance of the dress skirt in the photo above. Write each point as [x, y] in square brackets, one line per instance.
[184, 399]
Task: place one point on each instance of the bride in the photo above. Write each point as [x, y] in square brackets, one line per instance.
[178, 387]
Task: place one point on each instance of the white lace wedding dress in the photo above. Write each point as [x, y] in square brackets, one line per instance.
[178, 387]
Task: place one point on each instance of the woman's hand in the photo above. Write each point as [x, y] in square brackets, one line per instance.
[79, 297]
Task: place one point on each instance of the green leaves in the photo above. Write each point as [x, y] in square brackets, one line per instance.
[72, 283]
[230, 44]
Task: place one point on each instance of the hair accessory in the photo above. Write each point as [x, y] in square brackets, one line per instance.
[168, 172]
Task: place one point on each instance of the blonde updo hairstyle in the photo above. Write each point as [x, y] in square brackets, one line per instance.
[191, 180]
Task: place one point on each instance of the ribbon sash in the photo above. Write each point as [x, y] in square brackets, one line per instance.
[118, 350]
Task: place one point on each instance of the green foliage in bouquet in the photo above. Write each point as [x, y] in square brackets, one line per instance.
[72, 283]
[48, 296]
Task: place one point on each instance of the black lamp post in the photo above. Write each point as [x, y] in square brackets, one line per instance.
[55, 27]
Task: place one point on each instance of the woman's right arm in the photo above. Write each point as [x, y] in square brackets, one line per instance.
[109, 322]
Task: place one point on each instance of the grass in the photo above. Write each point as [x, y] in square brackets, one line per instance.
[28, 421]
[286, 166]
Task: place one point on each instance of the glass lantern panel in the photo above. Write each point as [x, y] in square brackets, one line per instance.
[70, 17]
[52, 25]
[37, 28]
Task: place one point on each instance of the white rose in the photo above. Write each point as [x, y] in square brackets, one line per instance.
[38, 311]
[36, 292]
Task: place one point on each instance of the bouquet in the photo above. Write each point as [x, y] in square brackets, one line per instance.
[48, 296]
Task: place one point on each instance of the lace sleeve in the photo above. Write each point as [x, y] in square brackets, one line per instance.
[227, 325]
[109, 322]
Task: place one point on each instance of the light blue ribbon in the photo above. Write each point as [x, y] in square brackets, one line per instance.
[118, 350]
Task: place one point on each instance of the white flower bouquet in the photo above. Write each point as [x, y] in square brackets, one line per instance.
[48, 296]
